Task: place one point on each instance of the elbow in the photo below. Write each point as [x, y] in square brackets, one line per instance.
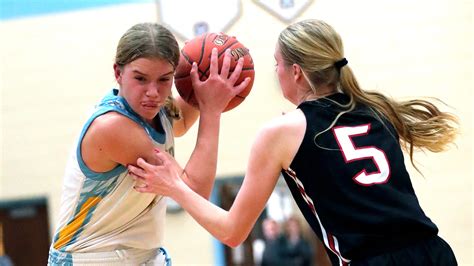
[231, 231]
[233, 245]
[204, 189]
[233, 242]
[204, 193]
[234, 239]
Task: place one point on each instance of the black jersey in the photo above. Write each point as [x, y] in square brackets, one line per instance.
[351, 183]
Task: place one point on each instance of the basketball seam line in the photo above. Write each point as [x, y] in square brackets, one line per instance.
[219, 55]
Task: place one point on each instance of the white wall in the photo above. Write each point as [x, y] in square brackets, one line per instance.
[55, 68]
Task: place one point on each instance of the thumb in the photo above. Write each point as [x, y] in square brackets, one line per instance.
[143, 164]
[162, 157]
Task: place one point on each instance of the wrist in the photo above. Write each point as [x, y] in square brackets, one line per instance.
[210, 116]
[179, 192]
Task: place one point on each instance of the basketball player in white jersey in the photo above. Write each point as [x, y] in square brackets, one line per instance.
[103, 219]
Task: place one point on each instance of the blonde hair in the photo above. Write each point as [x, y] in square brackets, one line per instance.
[315, 46]
[150, 40]
[172, 110]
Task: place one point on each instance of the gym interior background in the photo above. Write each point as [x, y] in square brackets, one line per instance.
[56, 63]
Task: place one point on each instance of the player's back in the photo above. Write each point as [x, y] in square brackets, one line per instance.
[351, 183]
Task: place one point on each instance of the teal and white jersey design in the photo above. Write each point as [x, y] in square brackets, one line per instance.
[101, 211]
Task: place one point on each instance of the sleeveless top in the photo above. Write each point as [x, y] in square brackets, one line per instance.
[351, 183]
[101, 211]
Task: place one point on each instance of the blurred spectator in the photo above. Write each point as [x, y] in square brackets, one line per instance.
[297, 251]
[274, 250]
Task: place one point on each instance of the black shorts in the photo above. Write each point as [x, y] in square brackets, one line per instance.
[429, 252]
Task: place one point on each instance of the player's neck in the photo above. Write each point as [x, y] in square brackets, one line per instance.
[321, 92]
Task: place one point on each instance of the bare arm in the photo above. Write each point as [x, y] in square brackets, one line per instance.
[212, 95]
[114, 139]
[189, 116]
[273, 149]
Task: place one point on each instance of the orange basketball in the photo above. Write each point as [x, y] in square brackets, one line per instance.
[199, 50]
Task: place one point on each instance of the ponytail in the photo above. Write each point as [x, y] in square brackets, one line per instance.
[317, 48]
[419, 123]
[172, 110]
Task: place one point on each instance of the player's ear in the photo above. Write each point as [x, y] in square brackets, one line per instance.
[118, 73]
[297, 72]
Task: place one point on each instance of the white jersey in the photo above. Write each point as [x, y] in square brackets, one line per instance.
[102, 212]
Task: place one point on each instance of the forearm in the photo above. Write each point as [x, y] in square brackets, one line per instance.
[215, 220]
[200, 170]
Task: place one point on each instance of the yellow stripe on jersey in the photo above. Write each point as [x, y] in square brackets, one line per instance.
[66, 233]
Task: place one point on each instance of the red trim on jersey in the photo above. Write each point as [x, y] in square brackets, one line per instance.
[329, 240]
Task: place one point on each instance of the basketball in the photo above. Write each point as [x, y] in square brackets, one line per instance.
[199, 50]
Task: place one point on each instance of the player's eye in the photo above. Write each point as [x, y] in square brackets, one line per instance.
[140, 78]
[166, 78]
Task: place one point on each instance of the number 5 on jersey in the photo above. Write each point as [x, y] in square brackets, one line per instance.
[352, 153]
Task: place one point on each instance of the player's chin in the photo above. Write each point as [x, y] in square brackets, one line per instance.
[148, 114]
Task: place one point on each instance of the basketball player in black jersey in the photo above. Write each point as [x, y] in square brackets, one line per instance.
[340, 153]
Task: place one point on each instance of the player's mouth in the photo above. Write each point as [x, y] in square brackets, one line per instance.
[150, 105]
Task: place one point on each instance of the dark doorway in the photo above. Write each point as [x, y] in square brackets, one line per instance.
[25, 228]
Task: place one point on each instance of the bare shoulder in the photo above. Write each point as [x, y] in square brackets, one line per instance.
[288, 123]
[112, 120]
[283, 135]
[117, 128]
[113, 139]
[113, 127]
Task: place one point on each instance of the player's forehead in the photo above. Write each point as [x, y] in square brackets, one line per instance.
[278, 55]
[276, 52]
[150, 66]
